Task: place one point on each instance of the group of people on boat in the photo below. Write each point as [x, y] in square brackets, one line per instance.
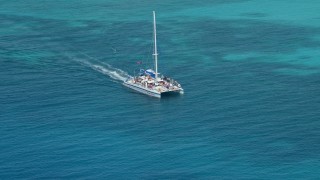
[148, 81]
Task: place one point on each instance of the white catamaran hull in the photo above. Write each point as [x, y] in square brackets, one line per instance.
[150, 92]
[143, 90]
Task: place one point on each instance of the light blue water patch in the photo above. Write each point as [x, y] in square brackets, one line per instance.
[307, 59]
[244, 56]
[304, 56]
[295, 71]
[277, 11]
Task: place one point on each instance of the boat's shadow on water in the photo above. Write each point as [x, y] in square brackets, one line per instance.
[171, 95]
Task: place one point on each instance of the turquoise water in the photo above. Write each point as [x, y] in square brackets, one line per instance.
[250, 70]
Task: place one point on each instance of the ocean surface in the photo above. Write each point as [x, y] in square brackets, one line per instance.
[250, 70]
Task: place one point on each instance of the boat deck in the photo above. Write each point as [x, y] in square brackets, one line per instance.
[150, 88]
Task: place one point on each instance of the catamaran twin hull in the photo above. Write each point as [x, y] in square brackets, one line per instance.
[150, 92]
[149, 81]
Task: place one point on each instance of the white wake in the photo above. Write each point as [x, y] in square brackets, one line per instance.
[102, 67]
[107, 69]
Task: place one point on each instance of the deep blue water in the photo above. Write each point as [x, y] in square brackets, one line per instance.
[250, 70]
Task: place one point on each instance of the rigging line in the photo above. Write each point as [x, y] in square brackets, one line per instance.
[148, 55]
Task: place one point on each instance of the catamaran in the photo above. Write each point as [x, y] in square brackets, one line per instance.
[151, 82]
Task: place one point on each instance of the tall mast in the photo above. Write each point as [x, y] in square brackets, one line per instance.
[155, 53]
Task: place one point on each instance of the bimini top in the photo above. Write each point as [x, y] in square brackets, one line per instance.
[151, 73]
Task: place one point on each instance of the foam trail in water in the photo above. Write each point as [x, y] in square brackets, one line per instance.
[112, 72]
[102, 67]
